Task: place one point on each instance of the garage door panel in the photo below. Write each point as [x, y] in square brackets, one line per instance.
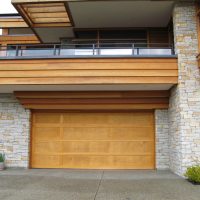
[85, 118]
[109, 147]
[86, 147]
[108, 162]
[127, 119]
[107, 133]
[130, 119]
[46, 161]
[46, 133]
[131, 147]
[131, 133]
[48, 147]
[85, 133]
[49, 118]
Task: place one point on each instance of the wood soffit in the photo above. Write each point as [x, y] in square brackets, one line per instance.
[45, 14]
[94, 100]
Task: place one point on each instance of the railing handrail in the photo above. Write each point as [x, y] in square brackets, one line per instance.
[88, 44]
[91, 49]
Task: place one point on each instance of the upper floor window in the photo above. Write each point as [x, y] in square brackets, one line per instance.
[151, 37]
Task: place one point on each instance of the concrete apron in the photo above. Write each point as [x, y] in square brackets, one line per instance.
[48, 184]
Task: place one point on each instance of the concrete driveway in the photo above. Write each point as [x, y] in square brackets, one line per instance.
[94, 185]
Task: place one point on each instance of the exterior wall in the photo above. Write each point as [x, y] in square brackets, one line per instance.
[162, 139]
[184, 111]
[14, 131]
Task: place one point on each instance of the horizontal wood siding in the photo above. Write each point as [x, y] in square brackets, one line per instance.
[18, 39]
[89, 71]
[12, 23]
[94, 100]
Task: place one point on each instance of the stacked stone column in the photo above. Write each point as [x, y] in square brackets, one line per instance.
[184, 111]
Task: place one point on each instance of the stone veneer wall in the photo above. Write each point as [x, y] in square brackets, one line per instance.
[14, 131]
[162, 139]
[184, 111]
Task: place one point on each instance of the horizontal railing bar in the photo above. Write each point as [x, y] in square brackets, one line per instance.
[87, 44]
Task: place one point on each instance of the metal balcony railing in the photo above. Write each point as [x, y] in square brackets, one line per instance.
[86, 50]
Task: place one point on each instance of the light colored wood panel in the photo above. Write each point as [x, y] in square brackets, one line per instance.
[28, 10]
[42, 4]
[46, 25]
[88, 73]
[51, 15]
[47, 118]
[47, 133]
[110, 118]
[77, 66]
[100, 107]
[98, 154]
[29, 39]
[45, 161]
[47, 9]
[93, 94]
[99, 60]
[105, 133]
[50, 147]
[50, 20]
[115, 162]
[12, 23]
[89, 80]
[22, 42]
[2, 19]
[17, 37]
[105, 147]
[120, 71]
[94, 101]
[80, 125]
[34, 5]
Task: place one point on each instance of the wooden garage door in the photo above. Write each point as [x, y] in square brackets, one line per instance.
[93, 140]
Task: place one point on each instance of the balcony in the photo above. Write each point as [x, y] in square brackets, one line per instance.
[80, 50]
[108, 66]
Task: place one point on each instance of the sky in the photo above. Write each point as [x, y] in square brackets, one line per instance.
[6, 7]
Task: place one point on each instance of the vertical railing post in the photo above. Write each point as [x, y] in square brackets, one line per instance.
[133, 49]
[93, 49]
[98, 49]
[173, 49]
[138, 51]
[21, 50]
[54, 49]
[59, 49]
[17, 51]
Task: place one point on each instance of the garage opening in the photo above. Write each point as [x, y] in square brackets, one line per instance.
[93, 140]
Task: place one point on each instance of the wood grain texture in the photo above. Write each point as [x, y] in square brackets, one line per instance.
[12, 23]
[44, 14]
[93, 140]
[18, 39]
[94, 100]
[89, 71]
[93, 95]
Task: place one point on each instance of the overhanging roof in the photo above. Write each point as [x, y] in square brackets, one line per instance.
[69, 14]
